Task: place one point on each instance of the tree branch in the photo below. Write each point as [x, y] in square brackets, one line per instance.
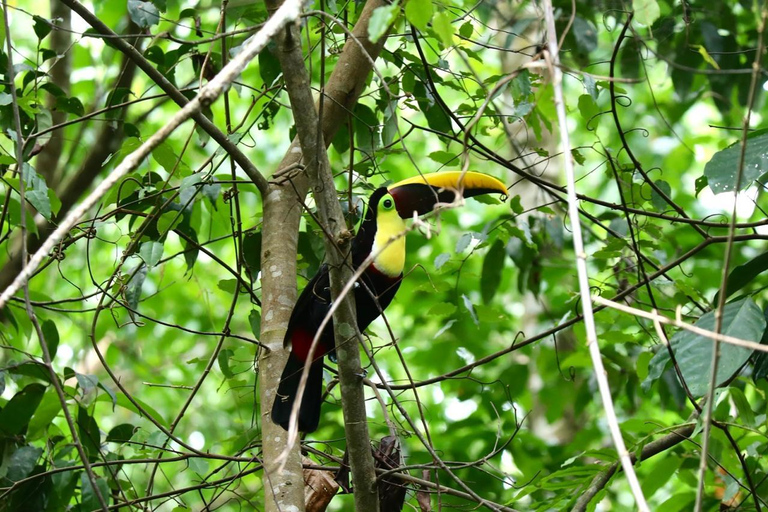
[282, 214]
[648, 451]
[124, 46]
[206, 96]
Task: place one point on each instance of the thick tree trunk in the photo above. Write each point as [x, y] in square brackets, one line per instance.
[282, 213]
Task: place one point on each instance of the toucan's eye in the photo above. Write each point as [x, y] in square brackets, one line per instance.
[387, 204]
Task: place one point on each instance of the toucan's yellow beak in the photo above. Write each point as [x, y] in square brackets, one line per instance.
[421, 193]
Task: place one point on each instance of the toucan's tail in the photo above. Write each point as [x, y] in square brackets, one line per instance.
[309, 413]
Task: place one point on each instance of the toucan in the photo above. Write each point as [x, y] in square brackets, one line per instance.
[383, 218]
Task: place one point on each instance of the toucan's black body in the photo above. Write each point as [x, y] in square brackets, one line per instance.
[373, 292]
[311, 308]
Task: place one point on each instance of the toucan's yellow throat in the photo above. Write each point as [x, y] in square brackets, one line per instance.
[389, 242]
[381, 231]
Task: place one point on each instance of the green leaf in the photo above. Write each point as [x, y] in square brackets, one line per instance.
[418, 13]
[44, 415]
[22, 462]
[51, 335]
[254, 320]
[168, 221]
[133, 291]
[151, 252]
[199, 465]
[721, 171]
[466, 30]
[224, 356]
[42, 27]
[381, 19]
[442, 259]
[660, 473]
[36, 191]
[587, 107]
[646, 11]
[493, 267]
[744, 274]
[269, 66]
[746, 414]
[366, 127]
[252, 252]
[144, 14]
[228, 285]
[121, 433]
[516, 205]
[443, 157]
[90, 437]
[585, 34]
[741, 319]
[15, 416]
[700, 184]
[656, 199]
[443, 27]
[442, 309]
[471, 308]
[71, 105]
[89, 499]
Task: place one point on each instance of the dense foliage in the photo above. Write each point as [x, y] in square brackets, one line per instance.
[150, 308]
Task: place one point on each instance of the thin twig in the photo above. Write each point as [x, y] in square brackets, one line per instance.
[677, 322]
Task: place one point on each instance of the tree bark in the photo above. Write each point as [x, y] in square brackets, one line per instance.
[337, 255]
[282, 214]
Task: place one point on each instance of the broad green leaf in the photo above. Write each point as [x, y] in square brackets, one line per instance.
[36, 191]
[441, 260]
[88, 429]
[741, 319]
[44, 415]
[224, 356]
[661, 471]
[121, 433]
[746, 414]
[269, 66]
[722, 170]
[441, 22]
[418, 13]
[744, 274]
[443, 157]
[646, 11]
[51, 335]
[254, 320]
[151, 252]
[89, 495]
[588, 108]
[16, 414]
[380, 21]
[42, 27]
[22, 462]
[493, 268]
[585, 34]
[442, 309]
[144, 14]
[657, 200]
[471, 308]
[168, 222]
[133, 291]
